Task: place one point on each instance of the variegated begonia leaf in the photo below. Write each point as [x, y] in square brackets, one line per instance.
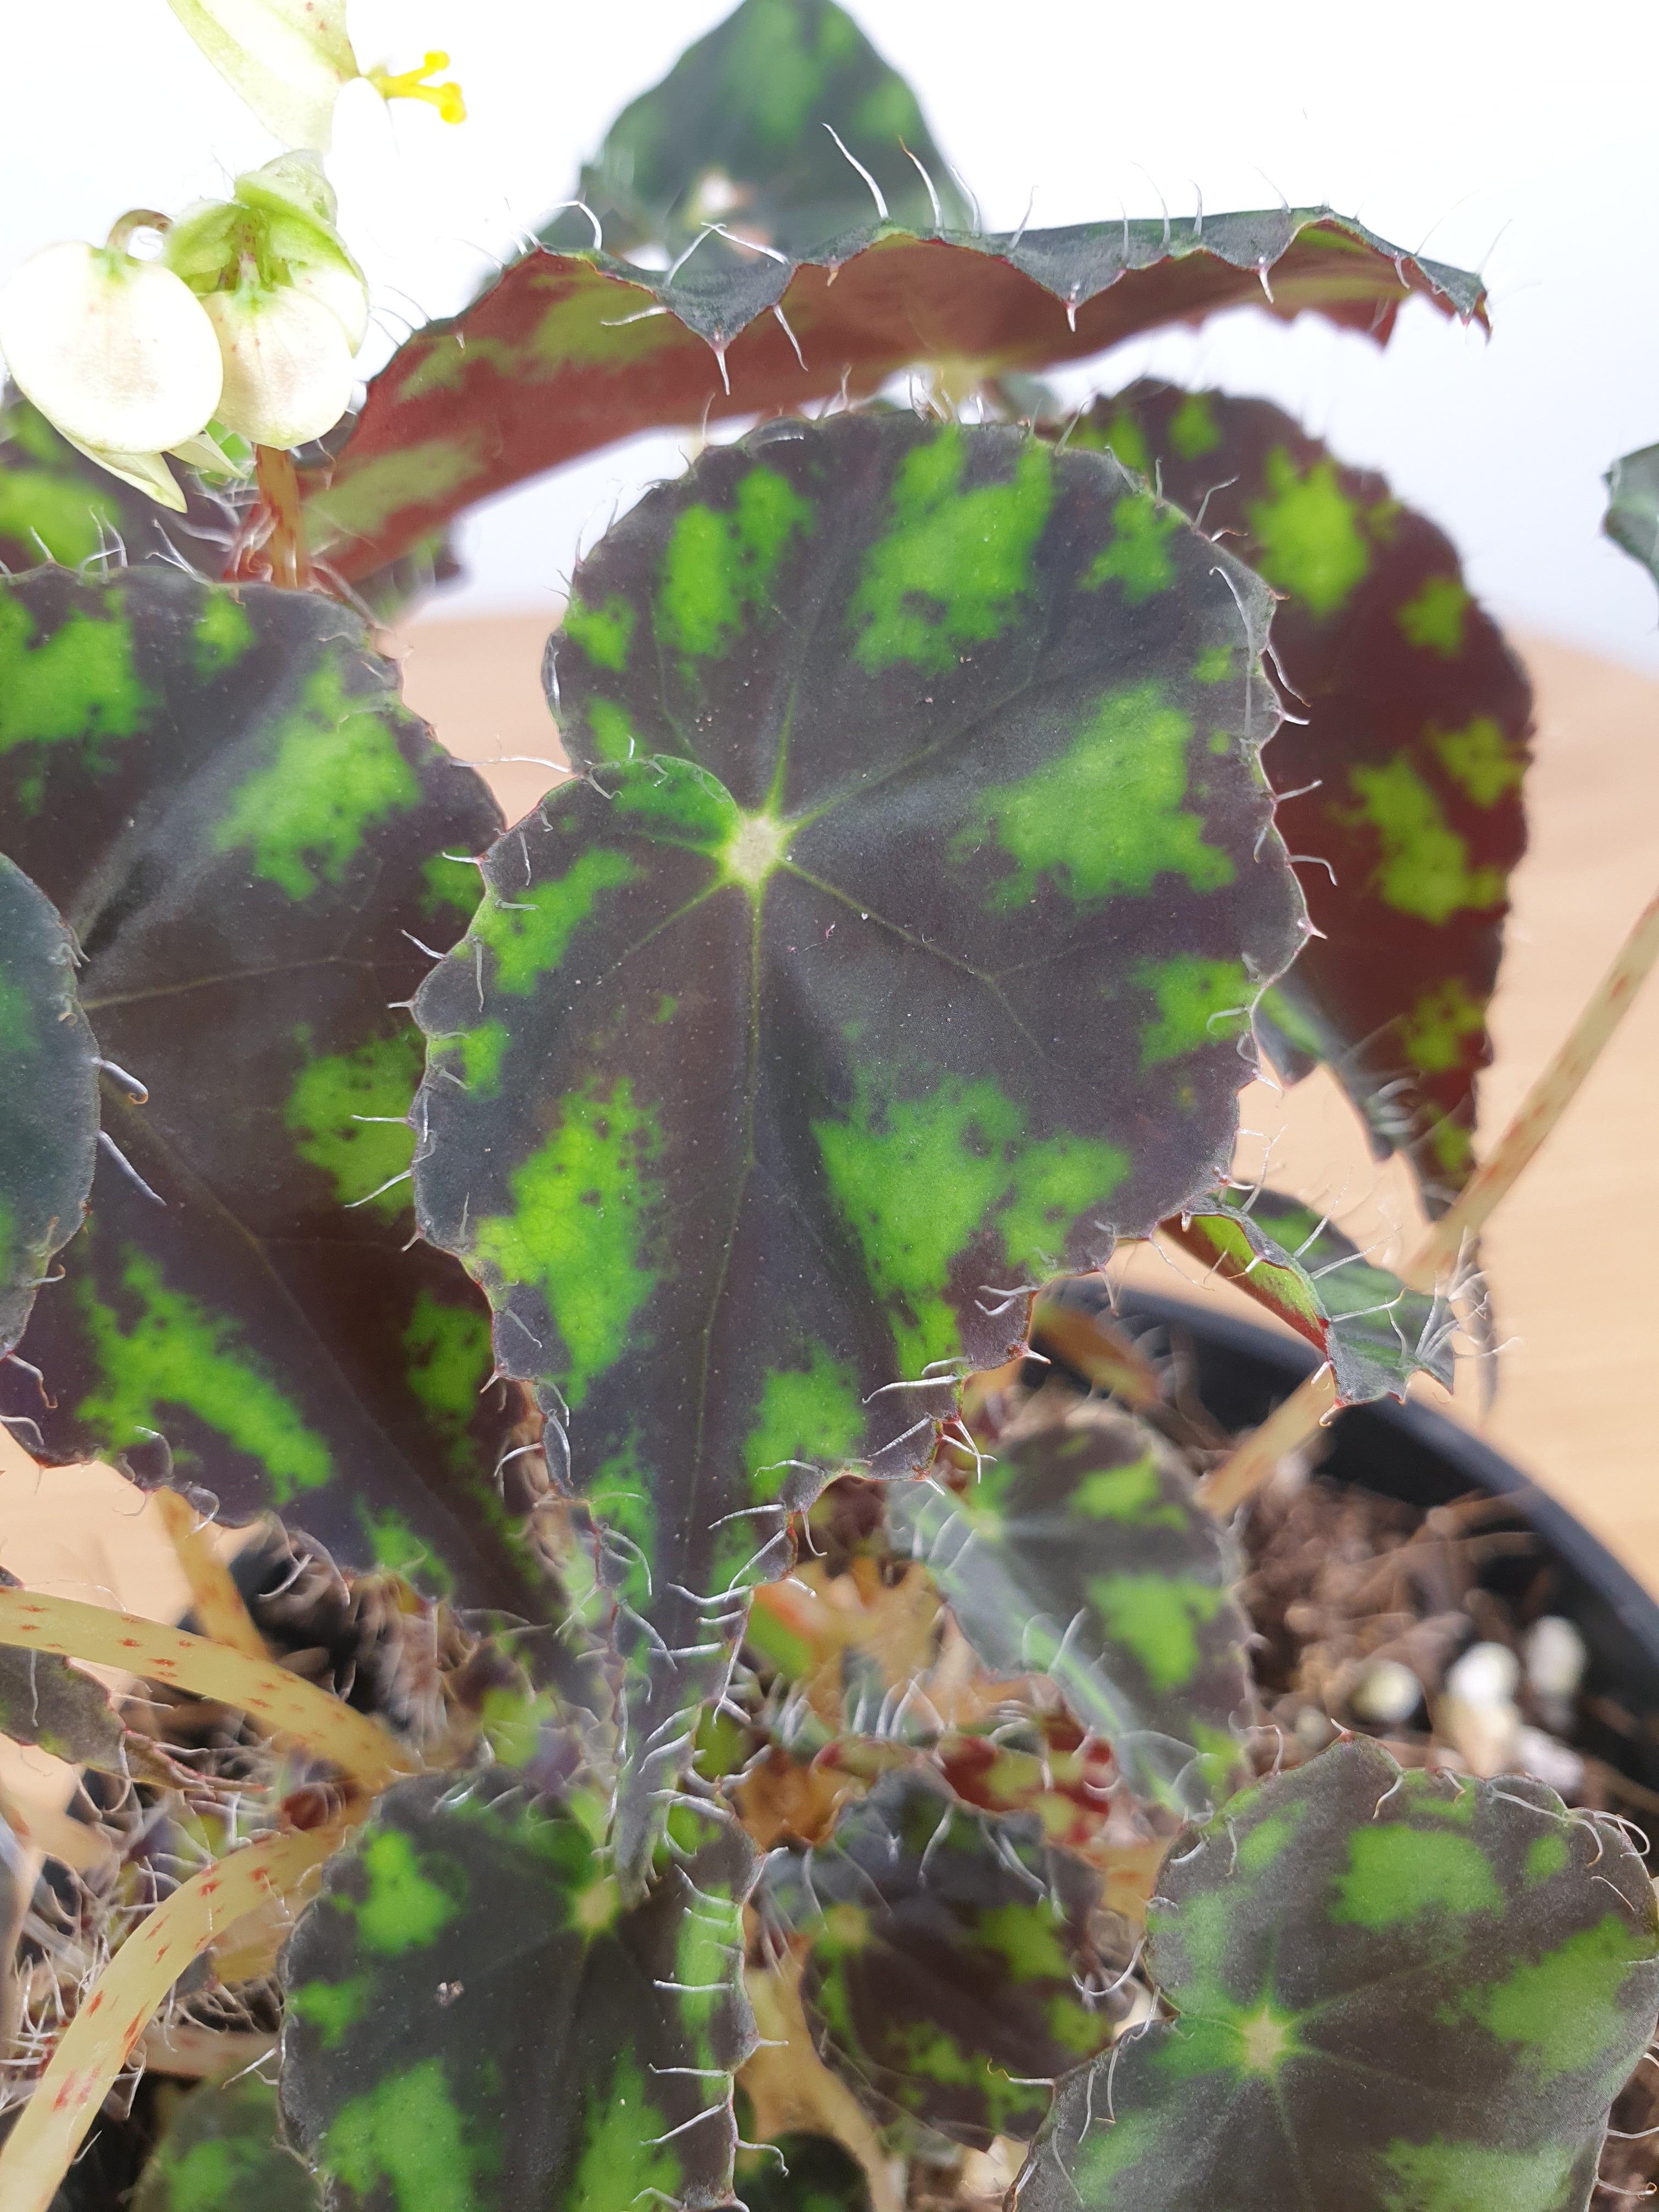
[1402, 758]
[475, 2019]
[245, 831]
[220, 2152]
[1632, 516]
[955, 1966]
[1374, 1332]
[894, 949]
[736, 134]
[48, 1094]
[570, 351]
[1391, 1992]
[1079, 1551]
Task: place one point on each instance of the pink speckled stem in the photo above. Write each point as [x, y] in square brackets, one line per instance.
[286, 1703]
[100, 2038]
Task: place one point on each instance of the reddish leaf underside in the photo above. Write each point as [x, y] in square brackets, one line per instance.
[568, 352]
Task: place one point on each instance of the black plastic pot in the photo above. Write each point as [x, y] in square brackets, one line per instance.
[1410, 1453]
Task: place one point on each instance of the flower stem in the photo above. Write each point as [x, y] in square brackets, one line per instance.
[1542, 1108]
[1285, 1430]
[279, 488]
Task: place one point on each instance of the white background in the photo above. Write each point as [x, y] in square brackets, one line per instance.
[1521, 140]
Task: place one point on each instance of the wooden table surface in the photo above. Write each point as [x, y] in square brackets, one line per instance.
[1573, 1256]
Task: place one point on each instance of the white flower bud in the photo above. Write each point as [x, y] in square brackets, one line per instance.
[1385, 1693]
[116, 353]
[286, 364]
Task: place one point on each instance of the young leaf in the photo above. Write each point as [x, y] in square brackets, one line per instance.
[245, 831]
[738, 132]
[44, 1700]
[898, 942]
[1409, 719]
[1374, 1332]
[473, 2019]
[1632, 517]
[949, 1957]
[48, 1095]
[1079, 1551]
[220, 2152]
[1393, 1992]
[571, 351]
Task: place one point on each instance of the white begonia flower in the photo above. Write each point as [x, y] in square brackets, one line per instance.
[286, 364]
[289, 59]
[116, 353]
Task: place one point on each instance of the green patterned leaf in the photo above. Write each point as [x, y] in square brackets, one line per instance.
[1393, 1992]
[1632, 516]
[474, 2024]
[897, 947]
[221, 2153]
[954, 1967]
[735, 134]
[1410, 722]
[1374, 1332]
[245, 830]
[570, 351]
[48, 1095]
[1079, 1551]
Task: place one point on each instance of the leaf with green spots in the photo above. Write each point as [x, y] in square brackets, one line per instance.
[1632, 517]
[1369, 2007]
[845, 1005]
[220, 2152]
[1080, 1551]
[476, 2024]
[735, 134]
[1403, 759]
[48, 1096]
[46, 1701]
[220, 791]
[573, 348]
[957, 1961]
[1374, 1332]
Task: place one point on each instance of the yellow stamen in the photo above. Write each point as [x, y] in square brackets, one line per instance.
[411, 85]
